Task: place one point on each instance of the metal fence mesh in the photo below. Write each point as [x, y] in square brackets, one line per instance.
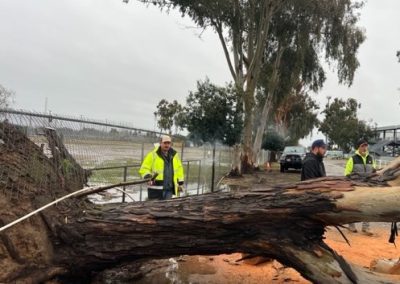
[113, 151]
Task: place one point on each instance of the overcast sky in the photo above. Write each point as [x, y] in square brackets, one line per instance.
[105, 59]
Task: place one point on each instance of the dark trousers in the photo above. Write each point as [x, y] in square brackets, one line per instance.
[167, 194]
[158, 194]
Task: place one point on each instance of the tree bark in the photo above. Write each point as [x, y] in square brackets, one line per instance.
[285, 222]
[245, 70]
[236, 163]
[267, 105]
[252, 76]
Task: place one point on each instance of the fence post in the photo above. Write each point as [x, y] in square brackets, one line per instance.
[142, 154]
[198, 178]
[213, 169]
[123, 188]
[187, 173]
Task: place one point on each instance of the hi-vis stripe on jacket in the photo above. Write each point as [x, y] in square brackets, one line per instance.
[154, 163]
[360, 164]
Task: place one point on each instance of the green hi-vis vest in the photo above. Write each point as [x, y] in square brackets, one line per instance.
[153, 163]
[360, 165]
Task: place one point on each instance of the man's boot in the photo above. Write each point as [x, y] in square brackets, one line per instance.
[365, 229]
[352, 228]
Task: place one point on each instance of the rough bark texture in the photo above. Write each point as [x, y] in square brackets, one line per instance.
[245, 64]
[284, 222]
[267, 106]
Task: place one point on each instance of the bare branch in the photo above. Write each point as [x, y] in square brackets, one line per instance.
[250, 38]
[218, 28]
[266, 13]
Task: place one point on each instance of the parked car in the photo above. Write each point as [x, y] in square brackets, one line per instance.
[334, 154]
[350, 154]
[292, 157]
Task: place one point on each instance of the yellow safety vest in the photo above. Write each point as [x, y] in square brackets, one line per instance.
[153, 163]
[360, 164]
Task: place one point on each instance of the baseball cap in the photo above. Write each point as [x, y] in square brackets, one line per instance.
[360, 142]
[165, 138]
[318, 143]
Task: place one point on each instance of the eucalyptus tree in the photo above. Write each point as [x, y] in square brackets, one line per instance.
[296, 117]
[214, 113]
[169, 115]
[341, 123]
[303, 35]
[244, 29]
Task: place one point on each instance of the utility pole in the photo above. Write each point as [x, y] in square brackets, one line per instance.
[327, 106]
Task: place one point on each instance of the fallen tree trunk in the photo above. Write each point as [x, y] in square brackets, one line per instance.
[285, 222]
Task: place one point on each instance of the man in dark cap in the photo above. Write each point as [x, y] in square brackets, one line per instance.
[313, 165]
[362, 163]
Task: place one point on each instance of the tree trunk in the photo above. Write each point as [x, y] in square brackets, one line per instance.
[261, 129]
[267, 105]
[236, 163]
[258, 24]
[285, 222]
[247, 150]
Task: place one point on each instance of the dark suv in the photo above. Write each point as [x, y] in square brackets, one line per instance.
[292, 157]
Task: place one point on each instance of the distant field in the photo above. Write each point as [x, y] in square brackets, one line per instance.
[93, 153]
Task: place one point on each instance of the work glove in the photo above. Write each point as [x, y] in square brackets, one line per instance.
[182, 191]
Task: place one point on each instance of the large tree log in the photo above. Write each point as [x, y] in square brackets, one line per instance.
[285, 222]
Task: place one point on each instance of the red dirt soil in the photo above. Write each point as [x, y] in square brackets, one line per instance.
[225, 269]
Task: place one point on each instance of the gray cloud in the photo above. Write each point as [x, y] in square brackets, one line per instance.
[376, 84]
[102, 59]
[105, 59]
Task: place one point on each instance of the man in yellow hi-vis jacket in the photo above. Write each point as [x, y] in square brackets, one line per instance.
[361, 163]
[164, 162]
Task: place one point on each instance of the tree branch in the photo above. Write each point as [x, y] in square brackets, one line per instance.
[265, 16]
[218, 28]
[250, 36]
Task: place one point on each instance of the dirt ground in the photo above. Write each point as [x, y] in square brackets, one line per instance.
[227, 268]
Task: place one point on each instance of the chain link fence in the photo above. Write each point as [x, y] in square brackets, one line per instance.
[113, 152]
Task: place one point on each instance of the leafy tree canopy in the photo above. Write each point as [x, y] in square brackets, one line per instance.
[169, 115]
[273, 142]
[254, 33]
[303, 31]
[341, 124]
[214, 113]
[301, 117]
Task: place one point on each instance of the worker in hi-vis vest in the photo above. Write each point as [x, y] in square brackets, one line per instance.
[361, 163]
[163, 163]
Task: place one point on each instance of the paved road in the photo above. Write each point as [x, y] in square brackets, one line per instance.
[334, 167]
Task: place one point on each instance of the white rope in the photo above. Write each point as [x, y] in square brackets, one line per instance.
[42, 208]
[68, 196]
